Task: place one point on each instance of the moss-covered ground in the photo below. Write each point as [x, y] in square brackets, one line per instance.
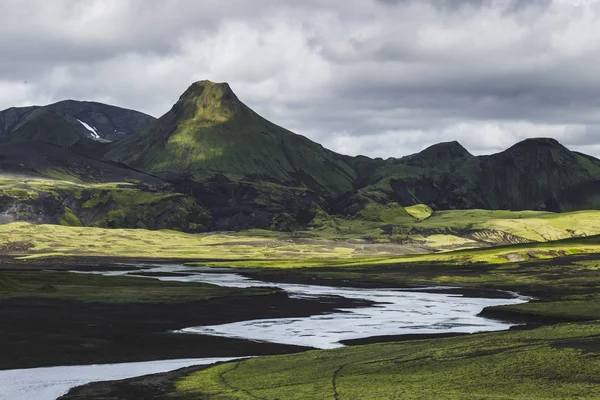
[472, 228]
[555, 362]
[559, 360]
[258, 248]
[107, 205]
[107, 289]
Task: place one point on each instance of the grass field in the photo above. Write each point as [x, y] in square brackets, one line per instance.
[465, 236]
[556, 362]
[550, 362]
[397, 224]
[449, 248]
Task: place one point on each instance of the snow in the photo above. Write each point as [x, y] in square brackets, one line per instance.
[93, 131]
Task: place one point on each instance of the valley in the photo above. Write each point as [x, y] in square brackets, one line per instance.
[115, 316]
[560, 332]
[288, 200]
[131, 245]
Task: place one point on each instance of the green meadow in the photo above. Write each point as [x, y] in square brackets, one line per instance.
[557, 357]
[554, 362]
[552, 257]
[382, 236]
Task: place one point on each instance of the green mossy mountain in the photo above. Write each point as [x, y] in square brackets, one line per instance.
[47, 127]
[250, 173]
[49, 174]
[534, 174]
[210, 131]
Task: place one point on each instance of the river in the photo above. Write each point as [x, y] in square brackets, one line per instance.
[395, 312]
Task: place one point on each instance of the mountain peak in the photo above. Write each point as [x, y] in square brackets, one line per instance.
[209, 101]
[210, 91]
[440, 153]
[537, 143]
[210, 88]
[453, 148]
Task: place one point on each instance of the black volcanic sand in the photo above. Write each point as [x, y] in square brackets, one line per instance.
[395, 276]
[42, 331]
[160, 274]
[39, 332]
[157, 386]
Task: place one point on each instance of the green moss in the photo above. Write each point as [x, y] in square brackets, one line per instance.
[69, 218]
[58, 175]
[210, 131]
[7, 284]
[112, 205]
[97, 288]
[555, 362]
[574, 310]
[391, 213]
[419, 211]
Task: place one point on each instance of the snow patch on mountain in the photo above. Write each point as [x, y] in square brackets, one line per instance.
[93, 131]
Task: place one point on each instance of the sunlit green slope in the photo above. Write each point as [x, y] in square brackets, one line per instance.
[209, 131]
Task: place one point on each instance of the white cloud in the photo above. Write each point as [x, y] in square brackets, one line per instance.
[394, 77]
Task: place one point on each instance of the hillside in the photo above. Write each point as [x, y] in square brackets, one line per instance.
[107, 205]
[210, 135]
[89, 119]
[250, 173]
[48, 146]
[534, 174]
[210, 131]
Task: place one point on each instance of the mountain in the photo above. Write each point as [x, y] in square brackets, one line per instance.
[48, 174]
[49, 146]
[533, 174]
[247, 170]
[243, 171]
[89, 119]
[66, 139]
[209, 131]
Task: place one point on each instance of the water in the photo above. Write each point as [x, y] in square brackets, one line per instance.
[53, 382]
[395, 312]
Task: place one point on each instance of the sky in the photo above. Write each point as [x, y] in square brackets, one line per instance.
[382, 78]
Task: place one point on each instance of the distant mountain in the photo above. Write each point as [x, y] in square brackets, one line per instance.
[89, 119]
[51, 172]
[533, 174]
[67, 139]
[210, 131]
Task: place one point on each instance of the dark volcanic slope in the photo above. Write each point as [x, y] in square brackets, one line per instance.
[49, 146]
[107, 122]
[252, 173]
[209, 132]
[533, 174]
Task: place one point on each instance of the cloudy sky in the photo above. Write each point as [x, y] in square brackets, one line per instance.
[376, 77]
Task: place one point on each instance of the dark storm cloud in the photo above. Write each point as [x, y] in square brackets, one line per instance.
[380, 77]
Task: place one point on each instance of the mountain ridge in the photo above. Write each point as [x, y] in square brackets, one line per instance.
[251, 173]
[210, 130]
[90, 119]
